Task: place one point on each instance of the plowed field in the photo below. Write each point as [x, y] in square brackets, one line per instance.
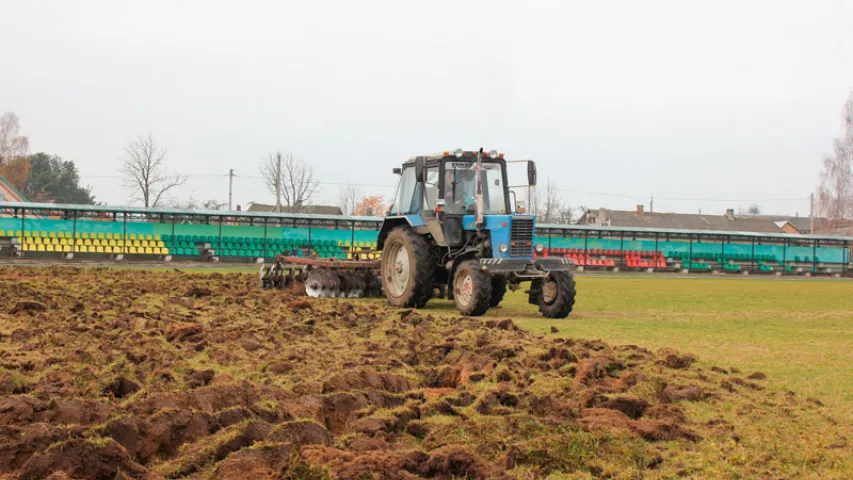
[139, 374]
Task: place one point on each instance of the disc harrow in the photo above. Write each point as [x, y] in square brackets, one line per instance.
[324, 277]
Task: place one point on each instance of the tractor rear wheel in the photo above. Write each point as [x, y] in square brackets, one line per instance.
[407, 269]
[498, 291]
[556, 297]
[472, 289]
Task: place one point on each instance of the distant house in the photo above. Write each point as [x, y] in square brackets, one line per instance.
[787, 226]
[308, 209]
[639, 218]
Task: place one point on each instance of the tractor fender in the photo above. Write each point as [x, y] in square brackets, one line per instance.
[415, 222]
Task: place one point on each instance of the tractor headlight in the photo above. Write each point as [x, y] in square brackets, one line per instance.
[503, 248]
[540, 248]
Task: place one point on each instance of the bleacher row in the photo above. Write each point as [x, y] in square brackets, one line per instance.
[260, 247]
[237, 248]
[182, 245]
[672, 260]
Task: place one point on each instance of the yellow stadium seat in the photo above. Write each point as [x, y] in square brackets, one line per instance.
[66, 234]
[28, 247]
[136, 244]
[148, 250]
[19, 233]
[132, 250]
[64, 248]
[40, 247]
[63, 241]
[84, 249]
[99, 249]
[85, 235]
[49, 248]
[112, 243]
[109, 236]
[132, 236]
[87, 242]
[149, 237]
[52, 235]
[108, 249]
[44, 233]
[157, 238]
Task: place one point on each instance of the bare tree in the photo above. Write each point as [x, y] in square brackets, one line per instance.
[12, 144]
[551, 208]
[835, 192]
[295, 185]
[14, 164]
[566, 214]
[754, 209]
[144, 173]
[348, 197]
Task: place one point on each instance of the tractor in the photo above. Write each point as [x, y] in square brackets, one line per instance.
[452, 233]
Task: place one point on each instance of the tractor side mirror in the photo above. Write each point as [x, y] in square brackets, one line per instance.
[531, 173]
[397, 171]
[419, 169]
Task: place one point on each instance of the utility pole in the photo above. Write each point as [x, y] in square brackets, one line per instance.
[230, 187]
[652, 204]
[811, 214]
[278, 183]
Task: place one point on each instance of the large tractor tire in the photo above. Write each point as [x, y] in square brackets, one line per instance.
[472, 289]
[556, 297]
[498, 291]
[407, 269]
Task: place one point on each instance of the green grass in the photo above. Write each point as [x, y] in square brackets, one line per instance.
[800, 333]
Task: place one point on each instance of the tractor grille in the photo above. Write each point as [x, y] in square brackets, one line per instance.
[521, 237]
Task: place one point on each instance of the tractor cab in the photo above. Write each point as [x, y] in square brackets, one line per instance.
[462, 199]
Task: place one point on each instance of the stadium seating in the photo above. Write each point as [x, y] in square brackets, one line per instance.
[248, 242]
[84, 242]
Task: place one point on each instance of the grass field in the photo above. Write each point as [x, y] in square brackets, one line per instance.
[799, 333]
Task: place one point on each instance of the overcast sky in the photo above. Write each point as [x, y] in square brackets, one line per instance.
[693, 101]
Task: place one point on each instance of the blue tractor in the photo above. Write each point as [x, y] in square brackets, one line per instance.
[453, 232]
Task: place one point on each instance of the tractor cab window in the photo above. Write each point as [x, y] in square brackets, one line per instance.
[406, 201]
[460, 188]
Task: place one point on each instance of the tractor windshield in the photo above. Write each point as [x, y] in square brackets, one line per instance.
[460, 188]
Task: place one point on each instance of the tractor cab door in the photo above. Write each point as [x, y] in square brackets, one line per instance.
[409, 194]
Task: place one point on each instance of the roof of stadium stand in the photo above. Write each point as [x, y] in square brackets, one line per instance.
[343, 218]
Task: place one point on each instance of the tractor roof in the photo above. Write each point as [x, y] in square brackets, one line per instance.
[459, 153]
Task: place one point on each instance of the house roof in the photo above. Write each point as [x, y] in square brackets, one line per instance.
[9, 191]
[686, 221]
[307, 209]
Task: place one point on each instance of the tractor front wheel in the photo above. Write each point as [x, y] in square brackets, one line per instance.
[472, 289]
[407, 269]
[556, 296]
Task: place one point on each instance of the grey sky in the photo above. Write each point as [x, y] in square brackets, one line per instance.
[686, 99]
